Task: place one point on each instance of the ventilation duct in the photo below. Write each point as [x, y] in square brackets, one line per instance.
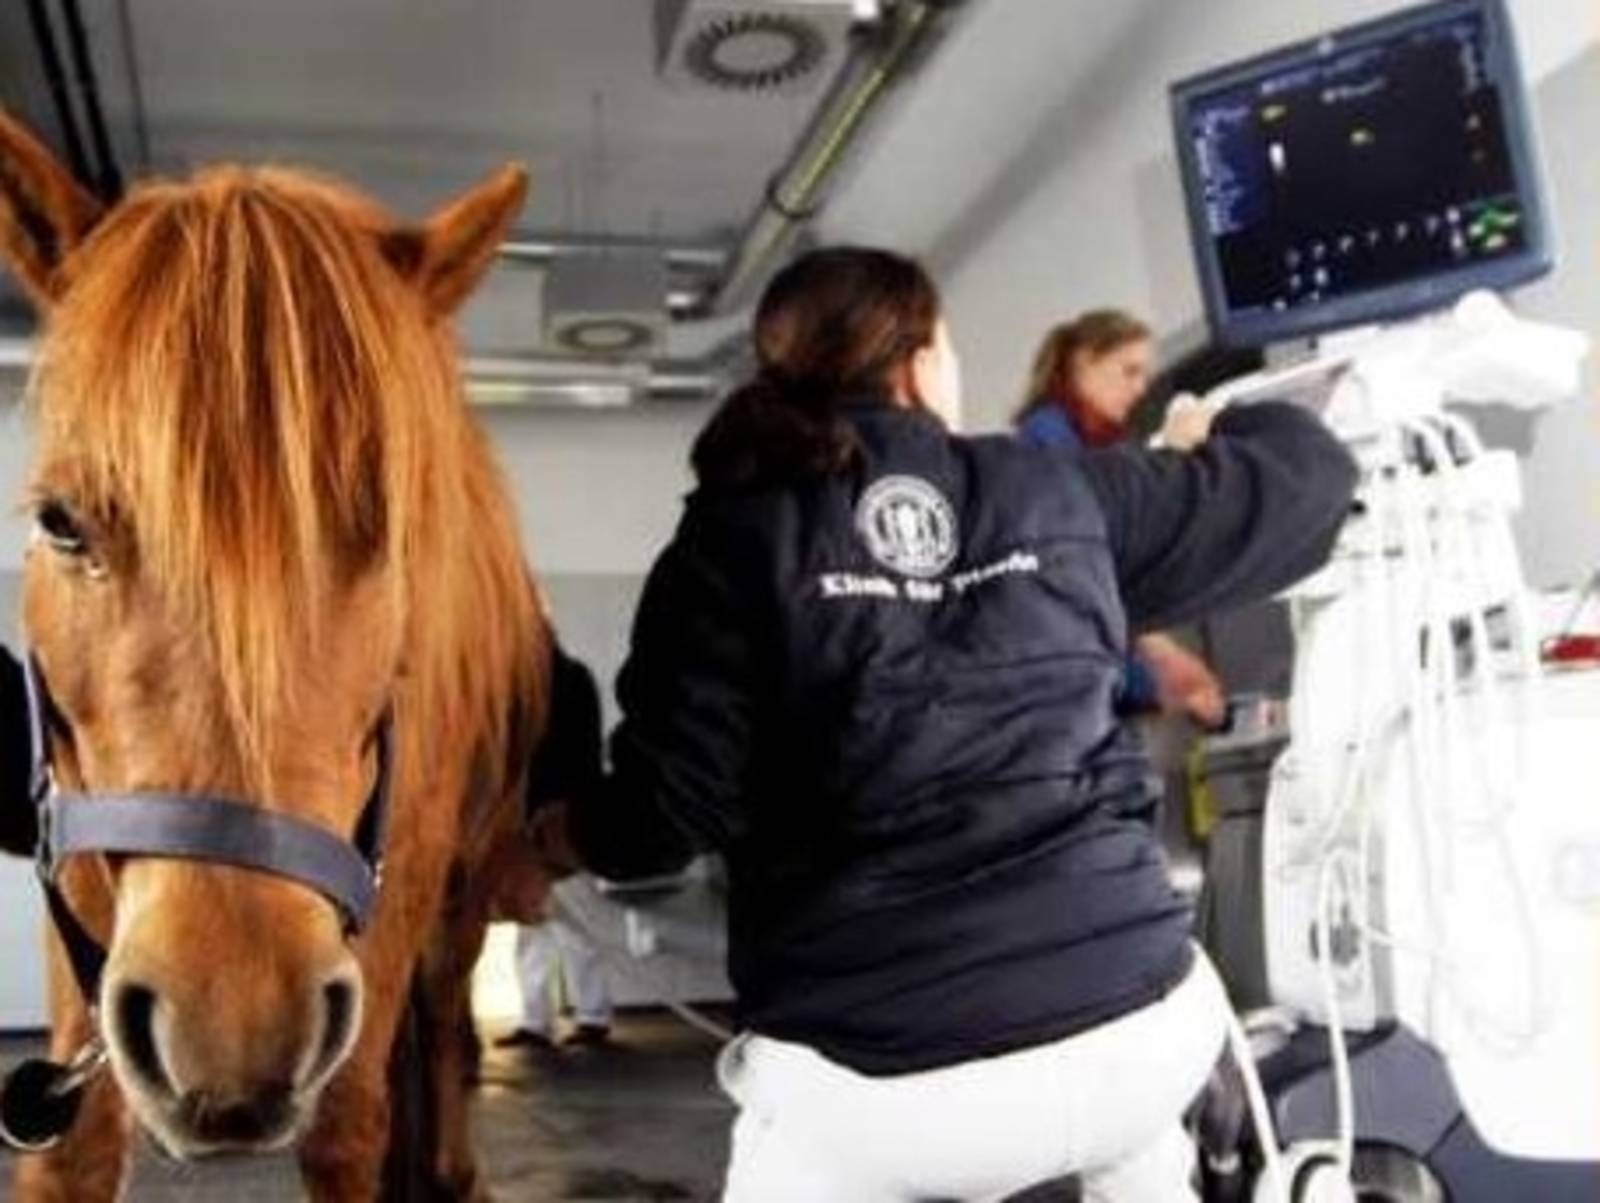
[879, 60]
[607, 305]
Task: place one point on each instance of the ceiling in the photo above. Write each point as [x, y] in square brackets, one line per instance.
[414, 99]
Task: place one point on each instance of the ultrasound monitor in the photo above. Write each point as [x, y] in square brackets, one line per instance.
[1376, 172]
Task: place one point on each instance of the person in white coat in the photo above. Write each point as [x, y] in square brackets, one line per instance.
[555, 962]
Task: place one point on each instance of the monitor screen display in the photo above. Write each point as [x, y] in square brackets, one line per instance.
[1371, 173]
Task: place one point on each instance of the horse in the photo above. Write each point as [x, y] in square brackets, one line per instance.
[273, 561]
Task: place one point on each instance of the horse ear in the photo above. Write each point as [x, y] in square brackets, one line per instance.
[45, 214]
[448, 254]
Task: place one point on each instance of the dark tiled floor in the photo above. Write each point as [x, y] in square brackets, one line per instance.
[637, 1123]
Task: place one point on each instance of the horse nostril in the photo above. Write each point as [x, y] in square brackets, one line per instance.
[341, 1005]
[249, 1122]
[133, 1012]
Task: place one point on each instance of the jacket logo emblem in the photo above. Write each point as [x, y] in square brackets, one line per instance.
[908, 526]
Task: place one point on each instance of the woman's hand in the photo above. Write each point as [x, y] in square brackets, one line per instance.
[525, 865]
[552, 844]
[1186, 685]
[1187, 423]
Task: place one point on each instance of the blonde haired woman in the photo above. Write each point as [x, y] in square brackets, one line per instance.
[1088, 376]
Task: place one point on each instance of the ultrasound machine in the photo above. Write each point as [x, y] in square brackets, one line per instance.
[1407, 909]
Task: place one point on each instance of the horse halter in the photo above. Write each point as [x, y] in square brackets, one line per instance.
[39, 1100]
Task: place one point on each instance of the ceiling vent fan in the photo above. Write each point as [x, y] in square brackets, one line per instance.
[779, 47]
[606, 305]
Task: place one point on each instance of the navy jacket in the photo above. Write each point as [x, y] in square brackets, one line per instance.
[887, 697]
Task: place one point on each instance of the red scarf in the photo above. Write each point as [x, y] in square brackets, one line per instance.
[1093, 427]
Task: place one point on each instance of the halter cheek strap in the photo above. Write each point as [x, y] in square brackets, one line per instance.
[198, 827]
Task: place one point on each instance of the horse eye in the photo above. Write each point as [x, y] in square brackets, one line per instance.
[61, 529]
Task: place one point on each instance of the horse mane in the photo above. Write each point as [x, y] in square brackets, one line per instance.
[240, 383]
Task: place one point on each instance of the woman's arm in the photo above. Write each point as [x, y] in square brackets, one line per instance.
[678, 756]
[1249, 512]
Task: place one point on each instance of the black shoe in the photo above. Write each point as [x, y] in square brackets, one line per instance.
[524, 1038]
[588, 1035]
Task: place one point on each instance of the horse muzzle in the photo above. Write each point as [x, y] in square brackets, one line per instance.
[225, 1082]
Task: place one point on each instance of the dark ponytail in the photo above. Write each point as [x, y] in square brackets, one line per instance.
[833, 325]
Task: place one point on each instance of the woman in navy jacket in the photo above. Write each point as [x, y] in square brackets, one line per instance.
[876, 669]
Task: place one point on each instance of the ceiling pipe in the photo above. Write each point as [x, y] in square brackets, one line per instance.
[539, 250]
[56, 77]
[795, 195]
[108, 178]
[704, 378]
[685, 303]
[717, 280]
[16, 354]
[507, 379]
[658, 386]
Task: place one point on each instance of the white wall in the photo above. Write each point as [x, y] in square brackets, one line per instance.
[22, 914]
[22, 985]
[16, 448]
[1560, 529]
[598, 496]
[597, 492]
